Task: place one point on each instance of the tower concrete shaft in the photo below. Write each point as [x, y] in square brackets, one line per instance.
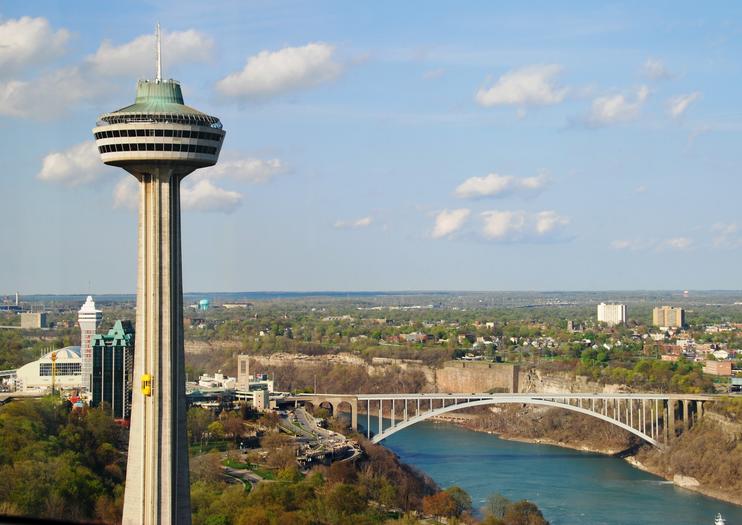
[157, 480]
[159, 140]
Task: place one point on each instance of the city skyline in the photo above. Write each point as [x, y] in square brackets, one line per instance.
[388, 148]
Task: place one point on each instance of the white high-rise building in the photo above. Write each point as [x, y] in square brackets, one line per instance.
[612, 314]
[89, 318]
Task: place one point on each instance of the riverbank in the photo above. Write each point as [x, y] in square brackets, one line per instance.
[686, 482]
[571, 487]
[654, 460]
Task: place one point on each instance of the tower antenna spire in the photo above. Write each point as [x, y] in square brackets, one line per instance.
[159, 53]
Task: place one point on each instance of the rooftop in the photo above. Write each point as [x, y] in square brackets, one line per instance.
[158, 101]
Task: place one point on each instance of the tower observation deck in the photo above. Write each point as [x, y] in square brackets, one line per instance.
[159, 140]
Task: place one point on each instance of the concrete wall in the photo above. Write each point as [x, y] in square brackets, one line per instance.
[472, 376]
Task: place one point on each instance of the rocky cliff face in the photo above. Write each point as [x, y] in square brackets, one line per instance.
[535, 381]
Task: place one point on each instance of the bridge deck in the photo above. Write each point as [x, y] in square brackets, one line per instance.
[523, 395]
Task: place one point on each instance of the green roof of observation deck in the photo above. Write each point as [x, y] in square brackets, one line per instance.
[158, 98]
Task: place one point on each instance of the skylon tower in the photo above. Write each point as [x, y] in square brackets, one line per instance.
[159, 140]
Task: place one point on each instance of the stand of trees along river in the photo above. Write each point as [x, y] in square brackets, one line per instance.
[55, 461]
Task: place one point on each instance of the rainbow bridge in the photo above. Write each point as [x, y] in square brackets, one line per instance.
[655, 418]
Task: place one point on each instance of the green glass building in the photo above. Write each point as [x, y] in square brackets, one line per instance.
[113, 369]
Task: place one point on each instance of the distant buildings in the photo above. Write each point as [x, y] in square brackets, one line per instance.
[243, 372]
[261, 400]
[612, 314]
[64, 364]
[113, 369]
[718, 368]
[89, 319]
[668, 317]
[33, 320]
[218, 380]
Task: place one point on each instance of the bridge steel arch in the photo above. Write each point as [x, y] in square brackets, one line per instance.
[651, 417]
[494, 401]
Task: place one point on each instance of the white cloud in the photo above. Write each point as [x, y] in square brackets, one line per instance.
[727, 235]
[521, 226]
[677, 243]
[655, 69]
[126, 193]
[625, 244]
[641, 188]
[489, 185]
[503, 224]
[548, 221]
[612, 109]
[246, 170]
[47, 96]
[206, 197]
[363, 222]
[533, 183]
[79, 164]
[26, 41]
[137, 57]
[676, 106]
[448, 222]
[528, 86]
[494, 184]
[271, 73]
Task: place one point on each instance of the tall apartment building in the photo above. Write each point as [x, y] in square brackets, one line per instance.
[668, 316]
[113, 369]
[612, 314]
[89, 318]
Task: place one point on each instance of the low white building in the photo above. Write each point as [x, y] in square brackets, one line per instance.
[37, 375]
[218, 380]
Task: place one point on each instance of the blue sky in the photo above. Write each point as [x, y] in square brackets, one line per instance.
[387, 145]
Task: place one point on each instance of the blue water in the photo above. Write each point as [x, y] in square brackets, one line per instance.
[570, 487]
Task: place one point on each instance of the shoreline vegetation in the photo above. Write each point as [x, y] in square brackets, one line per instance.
[59, 461]
[646, 458]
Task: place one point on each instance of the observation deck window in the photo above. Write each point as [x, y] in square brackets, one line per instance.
[176, 133]
[180, 148]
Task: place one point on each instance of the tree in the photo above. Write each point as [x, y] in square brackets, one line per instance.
[206, 467]
[523, 513]
[496, 505]
[343, 500]
[233, 424]
[216, 430]
[341, 472]
[440, 504]
[197, 423]
[462, 499]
